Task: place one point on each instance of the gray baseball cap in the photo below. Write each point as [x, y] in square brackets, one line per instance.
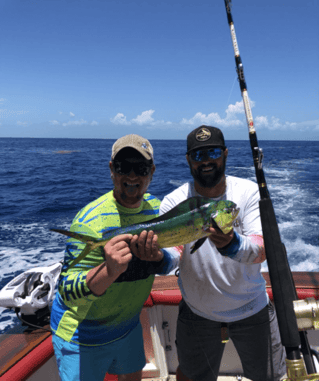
[142, 145]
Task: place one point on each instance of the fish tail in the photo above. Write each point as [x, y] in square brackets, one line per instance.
[88, 248]
[79, 236]
[91, 244]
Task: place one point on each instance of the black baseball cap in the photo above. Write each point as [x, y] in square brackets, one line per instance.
[205, 136]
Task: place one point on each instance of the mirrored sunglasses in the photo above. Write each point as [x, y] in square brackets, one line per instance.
[202, 154]
[125, 167]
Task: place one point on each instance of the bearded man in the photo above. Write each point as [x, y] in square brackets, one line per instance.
[224, 293]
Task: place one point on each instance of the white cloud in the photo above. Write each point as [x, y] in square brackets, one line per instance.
[237, 108]
[144, 118]
[276, 124]
[200, 118]
[8, 113]
[162, 122]
[231, 119]
[71, 114]
[54, 122]
[60, 112]
[235, 117]
[120, 119]
[261, 121]
[2, 99]
[213, 119]
[24, 124]
[75, 123]
[310, 123]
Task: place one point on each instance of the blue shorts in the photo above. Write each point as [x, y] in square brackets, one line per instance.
[78, 362]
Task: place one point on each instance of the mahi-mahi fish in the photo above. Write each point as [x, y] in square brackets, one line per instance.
[183, 224]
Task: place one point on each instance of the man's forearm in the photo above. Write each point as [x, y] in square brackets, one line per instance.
[244, 249]
[98, 279]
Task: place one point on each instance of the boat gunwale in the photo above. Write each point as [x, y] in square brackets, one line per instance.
[165, 291]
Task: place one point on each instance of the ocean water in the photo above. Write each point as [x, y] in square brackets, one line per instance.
[44, 182]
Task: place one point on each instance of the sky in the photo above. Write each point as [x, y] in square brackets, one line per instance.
[106, 68]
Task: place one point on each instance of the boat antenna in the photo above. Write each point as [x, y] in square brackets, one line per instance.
[284, 291]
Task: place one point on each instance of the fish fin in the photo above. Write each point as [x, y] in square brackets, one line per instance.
[80, 237]
[183, 207]
[197, 244]
[88, 247]
[90, 244]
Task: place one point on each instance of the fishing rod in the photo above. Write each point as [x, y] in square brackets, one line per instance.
[283, 287]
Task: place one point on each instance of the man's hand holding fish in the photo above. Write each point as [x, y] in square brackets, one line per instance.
[145, 246]
[219, 238]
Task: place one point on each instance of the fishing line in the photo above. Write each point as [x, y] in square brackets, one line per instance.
[231, 91]
[17, 310]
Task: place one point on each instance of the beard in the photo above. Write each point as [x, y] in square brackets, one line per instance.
[209, 179]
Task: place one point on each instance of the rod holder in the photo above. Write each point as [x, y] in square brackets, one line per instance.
[307, 313]
[296, 371]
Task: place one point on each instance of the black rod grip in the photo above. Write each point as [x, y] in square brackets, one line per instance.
[280, 276]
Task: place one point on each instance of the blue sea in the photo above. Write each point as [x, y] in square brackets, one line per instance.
[44, 182]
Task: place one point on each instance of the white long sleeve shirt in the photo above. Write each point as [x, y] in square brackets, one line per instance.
[217, 287]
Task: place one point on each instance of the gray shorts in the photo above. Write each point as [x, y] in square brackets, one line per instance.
[256, 339]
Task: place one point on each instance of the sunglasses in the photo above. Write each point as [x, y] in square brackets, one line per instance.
[125, 167]
[211, 153]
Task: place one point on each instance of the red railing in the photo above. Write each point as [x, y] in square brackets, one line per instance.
[32, 361]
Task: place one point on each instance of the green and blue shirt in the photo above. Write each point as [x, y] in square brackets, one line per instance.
[78, 315]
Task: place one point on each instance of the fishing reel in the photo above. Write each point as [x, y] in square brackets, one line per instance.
[31, 293]
[307, 316]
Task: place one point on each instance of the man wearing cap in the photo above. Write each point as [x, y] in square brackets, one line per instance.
[223, 291]
[95, 315]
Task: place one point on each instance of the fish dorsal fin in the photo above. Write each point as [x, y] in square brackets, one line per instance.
[197, 244]
[183, 207]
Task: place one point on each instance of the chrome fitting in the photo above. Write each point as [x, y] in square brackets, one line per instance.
[296, 371]
[307, 313]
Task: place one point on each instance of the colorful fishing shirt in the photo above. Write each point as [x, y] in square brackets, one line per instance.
[77, 314]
